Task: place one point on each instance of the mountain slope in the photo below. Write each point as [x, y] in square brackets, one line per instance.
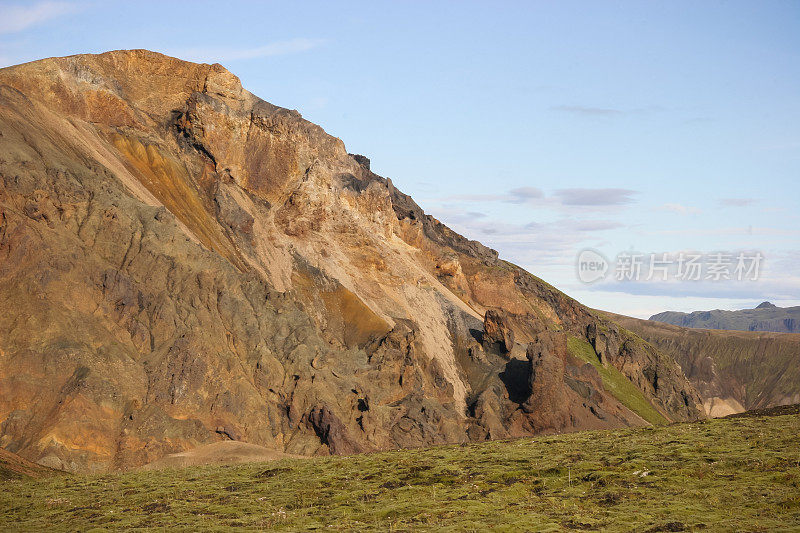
[765, 317]
[12, 466]
[733, 370]
[184, 263]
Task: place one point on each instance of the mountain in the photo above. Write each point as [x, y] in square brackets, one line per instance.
[734, 371]
[765, 317]
[183, 263]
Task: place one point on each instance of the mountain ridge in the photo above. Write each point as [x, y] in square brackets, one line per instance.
[184, 263]
[765, 317]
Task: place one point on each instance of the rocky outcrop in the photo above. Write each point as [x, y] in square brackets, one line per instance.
[332, 432]
[549, 400]
[496, 330]
[182, 263]
[604, 341]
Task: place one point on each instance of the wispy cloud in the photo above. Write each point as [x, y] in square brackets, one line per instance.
[588, 111]
[608, 112]
[475, 198]
[18, 18]
[540, 242]
[220, 54]
[586, 197]
[737, 202]
[523, 194]
[727, 231]
[775, 288]
[595, 225]
[595, 197]
[681, 209]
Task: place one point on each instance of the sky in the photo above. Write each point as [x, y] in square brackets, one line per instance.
[541, 129]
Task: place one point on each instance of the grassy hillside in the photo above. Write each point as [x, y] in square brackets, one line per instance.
[728, 474]
[616, 383]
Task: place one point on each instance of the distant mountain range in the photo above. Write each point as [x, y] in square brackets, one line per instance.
[765, 317]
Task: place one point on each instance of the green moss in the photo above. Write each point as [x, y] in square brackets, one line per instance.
[734, 474]
[616, 382]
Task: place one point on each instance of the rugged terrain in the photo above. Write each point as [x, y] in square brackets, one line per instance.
[12, 466]
[765, 317]
[738, 474]
[733, 370]
[183, 263]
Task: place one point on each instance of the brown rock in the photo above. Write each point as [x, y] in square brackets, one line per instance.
[548, 402]
[497, 331]
[332, 432]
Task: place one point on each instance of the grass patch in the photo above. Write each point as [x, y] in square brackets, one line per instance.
[616, 382]
[724, 475]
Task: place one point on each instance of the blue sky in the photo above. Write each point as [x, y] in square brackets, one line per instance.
[538, 128]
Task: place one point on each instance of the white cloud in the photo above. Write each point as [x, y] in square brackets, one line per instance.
[220, 54]
[18, 18]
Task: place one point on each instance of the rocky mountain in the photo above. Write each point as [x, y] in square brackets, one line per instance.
[765, 317]
[734, 371]
[183, 263]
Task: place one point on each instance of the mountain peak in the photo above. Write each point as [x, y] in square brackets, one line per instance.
[213, 267]
[765, 305]
[122, 88]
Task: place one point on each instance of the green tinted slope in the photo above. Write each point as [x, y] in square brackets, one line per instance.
[616, 383]
[722, 475]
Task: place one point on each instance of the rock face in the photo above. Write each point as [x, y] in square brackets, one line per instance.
[765, 317]
[497, 331]
[566, 393]
[182, 263]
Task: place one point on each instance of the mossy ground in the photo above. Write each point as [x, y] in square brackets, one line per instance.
[720, 475]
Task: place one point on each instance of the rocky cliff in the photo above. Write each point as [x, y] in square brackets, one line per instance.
[182, 263]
